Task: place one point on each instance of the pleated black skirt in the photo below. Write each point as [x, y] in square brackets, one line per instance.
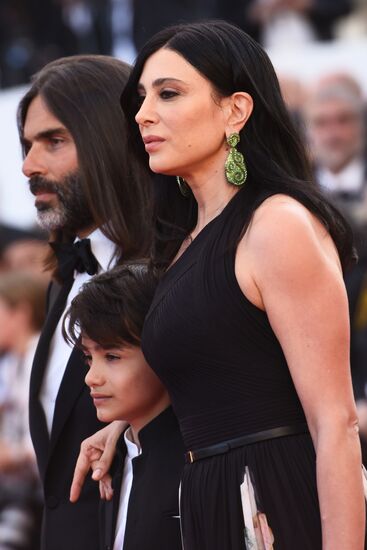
[283, 476]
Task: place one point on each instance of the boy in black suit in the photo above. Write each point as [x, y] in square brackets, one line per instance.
[106, 319]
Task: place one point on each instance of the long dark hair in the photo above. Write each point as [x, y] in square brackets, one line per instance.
[83, 92]
[277, 162]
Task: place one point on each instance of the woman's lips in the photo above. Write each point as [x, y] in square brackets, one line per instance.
[152, 143]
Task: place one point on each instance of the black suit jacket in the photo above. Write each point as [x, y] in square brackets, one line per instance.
[355, 281]
[153, 513]
[65, 526]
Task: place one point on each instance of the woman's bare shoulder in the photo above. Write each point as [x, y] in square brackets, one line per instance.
[283, 208]
[284, 230]
[282, 222]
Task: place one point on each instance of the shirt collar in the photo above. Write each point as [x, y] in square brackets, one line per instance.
[156, 432]
[132, 449]
[349, 179]
[102, 248]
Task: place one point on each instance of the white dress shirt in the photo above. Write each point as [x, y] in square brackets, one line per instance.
[351, 179]
[132, 451]
[103, 249]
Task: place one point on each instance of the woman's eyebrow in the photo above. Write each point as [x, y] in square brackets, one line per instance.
[160, 81]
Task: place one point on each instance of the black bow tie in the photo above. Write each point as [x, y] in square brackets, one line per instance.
[74, 256]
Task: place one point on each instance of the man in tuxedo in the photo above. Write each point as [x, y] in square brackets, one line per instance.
[96, 207]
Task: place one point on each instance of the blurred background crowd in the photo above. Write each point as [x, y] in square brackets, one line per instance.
[328, 105]
[33, 32]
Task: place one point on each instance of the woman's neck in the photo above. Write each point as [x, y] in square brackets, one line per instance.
[210, 188]
[211, 200]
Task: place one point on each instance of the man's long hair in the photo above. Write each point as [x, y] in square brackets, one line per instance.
[83, 92]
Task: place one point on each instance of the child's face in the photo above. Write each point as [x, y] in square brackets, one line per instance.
[123, 386]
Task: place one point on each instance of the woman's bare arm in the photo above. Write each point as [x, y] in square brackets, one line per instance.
[287, 265]
[97, 453]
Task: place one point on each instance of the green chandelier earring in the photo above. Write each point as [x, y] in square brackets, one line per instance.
[183, 187]
[235, 166]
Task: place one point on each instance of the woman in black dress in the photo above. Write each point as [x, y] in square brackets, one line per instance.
[249, 327]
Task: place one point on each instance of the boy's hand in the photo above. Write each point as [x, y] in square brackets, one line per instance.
[96, 453]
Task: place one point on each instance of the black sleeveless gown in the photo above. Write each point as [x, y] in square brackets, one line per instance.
[227, 377]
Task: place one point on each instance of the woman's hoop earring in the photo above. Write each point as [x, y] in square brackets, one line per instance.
[183, 187]
[235, 166]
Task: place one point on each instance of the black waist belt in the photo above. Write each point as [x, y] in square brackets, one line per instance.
[226, 446]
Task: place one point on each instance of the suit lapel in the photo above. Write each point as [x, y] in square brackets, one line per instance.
[71, 386]
[39, 432]
[112, 508]
[42, 351]
[37, 420]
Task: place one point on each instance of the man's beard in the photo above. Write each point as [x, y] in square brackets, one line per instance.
[71, 212]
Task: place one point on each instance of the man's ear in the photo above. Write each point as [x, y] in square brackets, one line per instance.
[239, 107]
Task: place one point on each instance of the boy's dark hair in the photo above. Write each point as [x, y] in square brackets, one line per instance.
[110, 308]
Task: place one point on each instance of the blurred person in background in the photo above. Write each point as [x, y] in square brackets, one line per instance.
[31, 33]
[10, 235]
[294, 93]
[270, 22]
[295, 21]
[27, 255]
[356, 24]
[150, 16]
[22, 307]
[336, 128]
[35, 32]
[23, 250]
[91, 24]
[340, 78]
[95, 204]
